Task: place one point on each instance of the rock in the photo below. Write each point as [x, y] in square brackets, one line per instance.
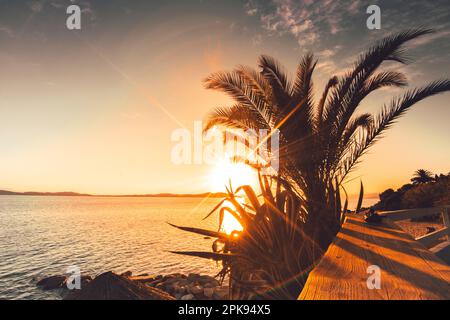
[196, 289]
[127, 274]
[178, 296]
[208, 292]
[167, 277]
[172, 285]
[221, 293]
[187, 297]
[84, 280]
[110, 286]
[183, 283]
[53, 282]
[168, 281]
[180, 289]
[203, 280]
[193, 277]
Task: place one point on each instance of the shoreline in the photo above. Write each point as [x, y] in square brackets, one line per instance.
[109, 286]
[74, 194]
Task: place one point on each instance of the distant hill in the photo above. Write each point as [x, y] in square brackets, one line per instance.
[74, 194]
[33, 193]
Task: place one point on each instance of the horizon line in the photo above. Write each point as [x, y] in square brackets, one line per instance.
[143, 195]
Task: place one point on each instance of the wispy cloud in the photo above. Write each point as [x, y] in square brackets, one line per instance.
[36, 6]
[305, 20]
[320, 25]
[439, 35]
[257, 40]
[7, 31]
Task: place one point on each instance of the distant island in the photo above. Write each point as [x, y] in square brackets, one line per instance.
[75, 194]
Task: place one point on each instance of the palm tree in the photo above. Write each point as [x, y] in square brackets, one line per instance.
[422, 176]
[321, 142]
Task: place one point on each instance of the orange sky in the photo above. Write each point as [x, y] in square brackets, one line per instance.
[83, 112]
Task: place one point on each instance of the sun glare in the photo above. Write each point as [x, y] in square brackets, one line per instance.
[229, 223]
[239, 174]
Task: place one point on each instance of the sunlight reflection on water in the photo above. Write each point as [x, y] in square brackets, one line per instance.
[42, 236]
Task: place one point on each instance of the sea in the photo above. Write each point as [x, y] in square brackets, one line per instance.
[42, 236]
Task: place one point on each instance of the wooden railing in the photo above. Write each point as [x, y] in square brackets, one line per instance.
[429, 239]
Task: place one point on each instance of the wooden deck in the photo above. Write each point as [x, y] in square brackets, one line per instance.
[409, 271]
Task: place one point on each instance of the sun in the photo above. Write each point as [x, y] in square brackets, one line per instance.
[229, 223]
[238, 173]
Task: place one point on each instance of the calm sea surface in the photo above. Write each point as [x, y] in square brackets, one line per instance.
[42, 236]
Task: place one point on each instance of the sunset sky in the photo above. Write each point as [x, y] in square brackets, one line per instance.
[93, 110]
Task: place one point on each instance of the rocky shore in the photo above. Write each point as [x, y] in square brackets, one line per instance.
[186, 287]
[112, 286]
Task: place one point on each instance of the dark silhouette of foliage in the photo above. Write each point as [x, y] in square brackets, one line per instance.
[321, 142]
[422, 176]
[433, 193]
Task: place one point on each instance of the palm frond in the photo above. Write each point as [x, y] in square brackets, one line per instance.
[388, 49]
[237, 117]
[240, 90]
[288, 227]
[360, 198]
[389, 115]
[276, 76]
[362, 121]
[331, 83]
[203, 232]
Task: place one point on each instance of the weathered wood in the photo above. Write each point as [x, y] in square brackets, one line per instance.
[408, 270]
[442, 250]
[411, 213]
[431, 238]
[446, 220]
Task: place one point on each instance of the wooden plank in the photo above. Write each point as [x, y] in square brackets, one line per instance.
[430, 239]
[410, 213]
[408, 270]
[446, 220]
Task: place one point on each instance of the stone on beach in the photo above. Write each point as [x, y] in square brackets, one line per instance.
[196, 289]
[208, 292]
[221, 293]
[84, 280]
[189, 296]
[53, 282]
[127, 274]
[110, 286]
[179, 289]
[126, 286]
[193, 276]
